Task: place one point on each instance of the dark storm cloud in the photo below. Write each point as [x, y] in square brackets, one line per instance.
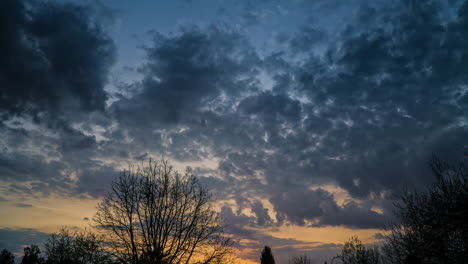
[389, 102]
[303, 206]
[25, 166]
[55, 64]
[55, 58]
[394, 89]
[385, 97]
[353, 215]
[300, 204]
[186, 72]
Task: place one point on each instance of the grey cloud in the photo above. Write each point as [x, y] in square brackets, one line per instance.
[23, 205]
[283, 248]
[366, 114]
[261, 213]
[354, 215]
[232, 220]
[306, 39]
[365, 110]
[186, 72]
[25, 167]
[318, 207]
[375, 117]
[53, 79]
[14, 239]
[300, 204]
[56, 59]
[52, 163]
[95, 179]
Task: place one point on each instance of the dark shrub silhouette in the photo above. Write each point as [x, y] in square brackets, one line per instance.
[267, 256]
[32, 255]
[6, 257]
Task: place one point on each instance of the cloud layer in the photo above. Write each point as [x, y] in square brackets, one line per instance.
[359, 106]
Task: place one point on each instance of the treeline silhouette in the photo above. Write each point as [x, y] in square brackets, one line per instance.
[155, 215]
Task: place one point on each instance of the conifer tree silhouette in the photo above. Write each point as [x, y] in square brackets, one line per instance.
[267, 256]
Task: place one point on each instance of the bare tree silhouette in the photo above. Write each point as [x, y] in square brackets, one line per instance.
[156, 215]
[73, 247]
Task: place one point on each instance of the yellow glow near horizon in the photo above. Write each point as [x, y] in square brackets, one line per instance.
[48, 214]
[51, 213]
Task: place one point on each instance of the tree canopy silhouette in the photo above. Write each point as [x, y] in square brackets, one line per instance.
[301, 260]
[73, 247]
[6, 257]
[32, 255]
[267, 256]
[154, 214]
[433, 225]
[354, 252]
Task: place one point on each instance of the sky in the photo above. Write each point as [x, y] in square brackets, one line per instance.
[305, 118]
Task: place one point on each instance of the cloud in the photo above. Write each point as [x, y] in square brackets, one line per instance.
[359, 105]
[298, 204]
[364, 109]
[55, 59]
[14, 239]
[251, 241]
[23, 205]
[261, 213]
[187, 73]
[56, 63]
[371, 109]
[24, 167]
[354, 215]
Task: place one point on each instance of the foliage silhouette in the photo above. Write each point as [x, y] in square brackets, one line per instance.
[433, 227]
[267, 256]
[6, 257]
[32, 255]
